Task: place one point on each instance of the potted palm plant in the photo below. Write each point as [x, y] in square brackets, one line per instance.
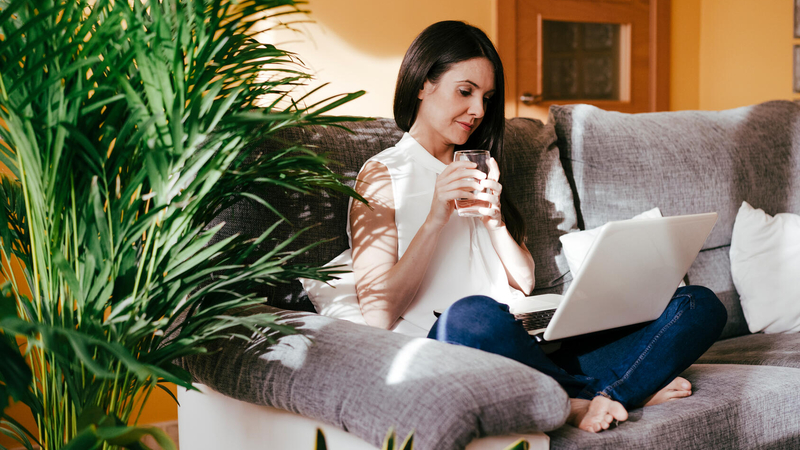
[127, 126]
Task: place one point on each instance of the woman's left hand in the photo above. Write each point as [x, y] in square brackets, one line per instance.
[492, 217]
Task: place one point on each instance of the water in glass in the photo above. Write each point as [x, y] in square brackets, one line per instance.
[467, 207]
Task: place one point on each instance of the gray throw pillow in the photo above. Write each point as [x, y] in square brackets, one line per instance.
[365, 380]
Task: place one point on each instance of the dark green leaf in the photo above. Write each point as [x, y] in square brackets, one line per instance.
[14, 371]
[14, 430]
[408, 443]
[85, 440]
[320, 442]
[388, 442]
[519, 445]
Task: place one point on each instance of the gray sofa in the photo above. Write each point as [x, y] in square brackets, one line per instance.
[583, 168]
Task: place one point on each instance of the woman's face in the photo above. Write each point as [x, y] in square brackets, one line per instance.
[451, 110]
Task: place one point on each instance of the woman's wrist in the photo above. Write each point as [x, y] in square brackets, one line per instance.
[494, 225]
[432, 225]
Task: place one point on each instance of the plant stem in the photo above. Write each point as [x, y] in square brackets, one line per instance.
[75, 240]
[144, 402]
[148, 239]
[114, 391]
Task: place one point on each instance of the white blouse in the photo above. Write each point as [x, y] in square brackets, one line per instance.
[464, 263]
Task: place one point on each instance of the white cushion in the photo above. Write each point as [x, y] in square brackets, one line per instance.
[336, 298]
[577, 244]
[765, 265]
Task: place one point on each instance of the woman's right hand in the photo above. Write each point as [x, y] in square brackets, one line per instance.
[458, 180]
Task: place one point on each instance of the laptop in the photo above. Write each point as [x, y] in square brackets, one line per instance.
[629, 276]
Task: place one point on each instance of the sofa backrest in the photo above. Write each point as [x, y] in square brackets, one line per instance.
[684, 162]
[532, 173]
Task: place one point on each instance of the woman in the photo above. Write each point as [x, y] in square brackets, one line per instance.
[413, 254]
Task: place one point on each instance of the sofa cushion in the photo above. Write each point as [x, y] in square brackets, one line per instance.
[325, 212]
[712, 269]
[731, 407]
[756, 349]
[532, 173]
[541, 192]
[765, 265]
[683, 162]
[365, 380]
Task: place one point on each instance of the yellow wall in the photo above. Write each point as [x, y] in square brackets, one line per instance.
[359, 44]
[685, 55]
[745, 52]
[725, 53]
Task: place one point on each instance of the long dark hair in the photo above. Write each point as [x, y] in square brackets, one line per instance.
[432, 54]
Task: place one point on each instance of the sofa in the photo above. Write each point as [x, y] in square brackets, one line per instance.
[581, 169]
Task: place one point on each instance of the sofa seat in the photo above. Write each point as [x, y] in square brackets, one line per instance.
[756, 349]
[733, 406]
[583, 168]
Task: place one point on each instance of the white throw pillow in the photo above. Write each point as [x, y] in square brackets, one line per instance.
[336, 298]
[577, 244]
[765, 265]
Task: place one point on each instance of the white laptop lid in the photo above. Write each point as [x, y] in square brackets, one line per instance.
[630, 273]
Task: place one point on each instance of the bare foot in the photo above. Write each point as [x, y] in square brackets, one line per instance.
[678, 388]
[595, 415]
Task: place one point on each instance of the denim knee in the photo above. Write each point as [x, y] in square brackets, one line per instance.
[706, 305]
[470, 321]
[475, 304]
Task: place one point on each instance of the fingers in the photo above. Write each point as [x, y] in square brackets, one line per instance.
[461, 180]
[459, 186]
[493, 199]
[491, 181]
[494, 170]
[493, 185]
[458, 165]
[473, 174]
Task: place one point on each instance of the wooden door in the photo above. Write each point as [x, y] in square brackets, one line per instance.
[528, 42]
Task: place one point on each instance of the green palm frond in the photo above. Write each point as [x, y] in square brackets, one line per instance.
[129, 125]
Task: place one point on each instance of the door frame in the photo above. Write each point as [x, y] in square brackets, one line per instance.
[506, 38]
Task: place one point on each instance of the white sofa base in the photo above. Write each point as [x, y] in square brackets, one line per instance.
[213, 421]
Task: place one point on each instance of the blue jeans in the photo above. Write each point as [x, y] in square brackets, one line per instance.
[626, 364]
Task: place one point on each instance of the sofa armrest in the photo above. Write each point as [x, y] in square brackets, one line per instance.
[365, 380]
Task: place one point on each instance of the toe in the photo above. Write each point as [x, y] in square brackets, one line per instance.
[672, 395]
[681, 384]
[618, 411]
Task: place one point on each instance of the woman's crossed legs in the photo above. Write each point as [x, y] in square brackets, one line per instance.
[604, 373]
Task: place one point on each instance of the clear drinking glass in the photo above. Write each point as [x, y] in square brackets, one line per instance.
[465, 207]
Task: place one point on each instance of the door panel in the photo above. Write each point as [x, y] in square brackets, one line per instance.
[641, 71]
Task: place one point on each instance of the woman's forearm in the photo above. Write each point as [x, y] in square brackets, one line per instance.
[386, 297]
[516, 259]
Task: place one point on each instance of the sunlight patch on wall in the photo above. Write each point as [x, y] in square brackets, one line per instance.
[333, 60]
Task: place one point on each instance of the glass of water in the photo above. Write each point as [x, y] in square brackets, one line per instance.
[468, 207]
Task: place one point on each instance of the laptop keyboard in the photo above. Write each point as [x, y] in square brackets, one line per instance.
[536, 320]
